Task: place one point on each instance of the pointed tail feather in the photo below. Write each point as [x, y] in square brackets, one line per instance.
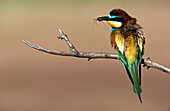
[139, 98]
[133, 69]
[138, 93]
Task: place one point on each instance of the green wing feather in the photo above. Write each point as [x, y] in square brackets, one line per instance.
[132, 71]
[125, 64]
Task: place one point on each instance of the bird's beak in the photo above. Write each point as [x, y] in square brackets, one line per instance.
[104, 18]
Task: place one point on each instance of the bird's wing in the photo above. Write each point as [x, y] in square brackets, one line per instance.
[141, 43]
[141, 37]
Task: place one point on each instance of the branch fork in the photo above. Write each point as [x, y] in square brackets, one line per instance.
[71, 46]
[92, 55]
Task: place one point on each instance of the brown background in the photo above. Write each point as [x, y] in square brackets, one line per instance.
[35, 81]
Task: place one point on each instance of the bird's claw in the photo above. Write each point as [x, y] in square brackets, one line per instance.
[146, 65]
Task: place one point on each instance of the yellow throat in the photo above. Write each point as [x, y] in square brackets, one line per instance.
[115, 24]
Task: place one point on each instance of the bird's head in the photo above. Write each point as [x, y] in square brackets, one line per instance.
[116, 18]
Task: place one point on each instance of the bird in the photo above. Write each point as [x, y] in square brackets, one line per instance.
[128, 38]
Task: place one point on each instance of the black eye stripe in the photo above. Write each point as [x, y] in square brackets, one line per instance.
[116, 19]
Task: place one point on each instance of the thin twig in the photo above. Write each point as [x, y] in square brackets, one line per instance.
[92, 55]
[71, 46]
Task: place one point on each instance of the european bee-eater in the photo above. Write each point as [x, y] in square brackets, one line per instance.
[128, 39]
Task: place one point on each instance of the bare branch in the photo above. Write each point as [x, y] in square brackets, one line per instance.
[92, 55]
[149, 63]
[89, 55]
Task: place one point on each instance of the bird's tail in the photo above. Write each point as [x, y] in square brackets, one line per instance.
[138, 93]
[133, 69]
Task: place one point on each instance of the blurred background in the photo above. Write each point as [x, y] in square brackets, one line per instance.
[35, 81]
